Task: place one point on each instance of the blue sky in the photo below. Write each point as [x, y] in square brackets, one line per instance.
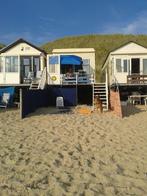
[41, 21]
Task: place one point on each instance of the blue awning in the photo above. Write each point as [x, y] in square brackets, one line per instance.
[70, 60]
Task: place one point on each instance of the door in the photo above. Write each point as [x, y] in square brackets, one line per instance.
[135, 66]
[26, 67]
[36, 65]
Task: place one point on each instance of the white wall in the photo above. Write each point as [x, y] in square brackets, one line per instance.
[22, 49]
[122, 77]
[83, 53]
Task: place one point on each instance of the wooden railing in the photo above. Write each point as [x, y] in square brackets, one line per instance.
[137, 79]
[77, 78]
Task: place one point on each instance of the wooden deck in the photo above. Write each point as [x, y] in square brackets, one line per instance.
[137, 79]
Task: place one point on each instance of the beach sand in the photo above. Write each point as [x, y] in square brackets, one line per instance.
[73, 154]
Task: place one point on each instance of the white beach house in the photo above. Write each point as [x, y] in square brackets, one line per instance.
[127, 65]
[71, 66]
[20, 62]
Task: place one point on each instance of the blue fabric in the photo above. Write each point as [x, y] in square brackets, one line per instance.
[53, 60]
[70, 60]
[9, 90]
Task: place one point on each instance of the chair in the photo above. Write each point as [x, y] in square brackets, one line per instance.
[29, 77]
[60, 105]
[59, 102]
[5, 100]
[136, 98]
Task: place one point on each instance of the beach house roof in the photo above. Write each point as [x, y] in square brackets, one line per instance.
[18, 42]
[130, 47]
[73, 50]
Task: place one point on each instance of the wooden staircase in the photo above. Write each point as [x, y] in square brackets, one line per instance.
[34, 85]
[101, 89]
[39, 83]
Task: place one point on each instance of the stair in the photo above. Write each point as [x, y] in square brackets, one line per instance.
[34, 85]
[101, 89]
[39, 83]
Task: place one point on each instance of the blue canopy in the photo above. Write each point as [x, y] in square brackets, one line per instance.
[70, 60]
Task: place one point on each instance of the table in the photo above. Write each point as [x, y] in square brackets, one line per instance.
[137, 98]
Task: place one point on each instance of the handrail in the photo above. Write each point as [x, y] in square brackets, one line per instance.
[42, 81]
[136, 79]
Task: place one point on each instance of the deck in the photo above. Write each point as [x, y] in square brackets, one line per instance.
[137, 79]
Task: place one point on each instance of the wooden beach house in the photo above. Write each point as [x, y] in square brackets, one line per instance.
[126, 70]
[20, 63]
[71, 66]
[127, 65]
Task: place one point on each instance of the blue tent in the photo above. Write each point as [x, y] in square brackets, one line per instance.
[70, 60]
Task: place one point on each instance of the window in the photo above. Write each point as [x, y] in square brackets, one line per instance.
[36, 63]
[86, 65]
[122, 65]
[145, 66]
[118, 65]
[125, 65]
[53, 61]
[11, 64]
[1, 64]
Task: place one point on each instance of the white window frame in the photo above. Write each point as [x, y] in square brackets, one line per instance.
[86, 65]
[143, 65]
[11, 68]
[1, 64]
[122, 60]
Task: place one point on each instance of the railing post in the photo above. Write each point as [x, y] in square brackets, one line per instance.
[76, 78]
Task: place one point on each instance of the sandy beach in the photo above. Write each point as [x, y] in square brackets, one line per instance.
[73, 154]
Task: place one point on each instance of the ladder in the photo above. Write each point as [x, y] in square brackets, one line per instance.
[101, 89]
[37, 84]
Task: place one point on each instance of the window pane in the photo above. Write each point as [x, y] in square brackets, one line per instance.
[118, 65]
[1, 64]
[36, 64]
[125, 65]
[144, 66]
[86, 61]
[8, 64]
[53, 60]
[86, 65]
[26, 61]
[52, 68]
[11, 64]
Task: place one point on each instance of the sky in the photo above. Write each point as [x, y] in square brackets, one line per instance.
[42, 21]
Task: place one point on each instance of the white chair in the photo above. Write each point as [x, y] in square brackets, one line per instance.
[59, 102]
[5, 100]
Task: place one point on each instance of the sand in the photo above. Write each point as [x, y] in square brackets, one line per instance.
[73, 154]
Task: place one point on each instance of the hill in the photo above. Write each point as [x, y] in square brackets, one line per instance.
[103, 44]
[1, 46]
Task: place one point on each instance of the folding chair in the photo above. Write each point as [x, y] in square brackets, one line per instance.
[5, 100]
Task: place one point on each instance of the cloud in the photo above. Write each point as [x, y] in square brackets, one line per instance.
[137, 26]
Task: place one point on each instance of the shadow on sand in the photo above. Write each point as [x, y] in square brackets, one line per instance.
[50, 111]
[128, 110]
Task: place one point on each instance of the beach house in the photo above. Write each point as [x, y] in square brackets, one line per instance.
[20, 62]
[127, 65]
[71, 66]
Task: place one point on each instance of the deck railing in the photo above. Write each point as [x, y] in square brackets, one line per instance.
[137, 79]
[77, 78]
